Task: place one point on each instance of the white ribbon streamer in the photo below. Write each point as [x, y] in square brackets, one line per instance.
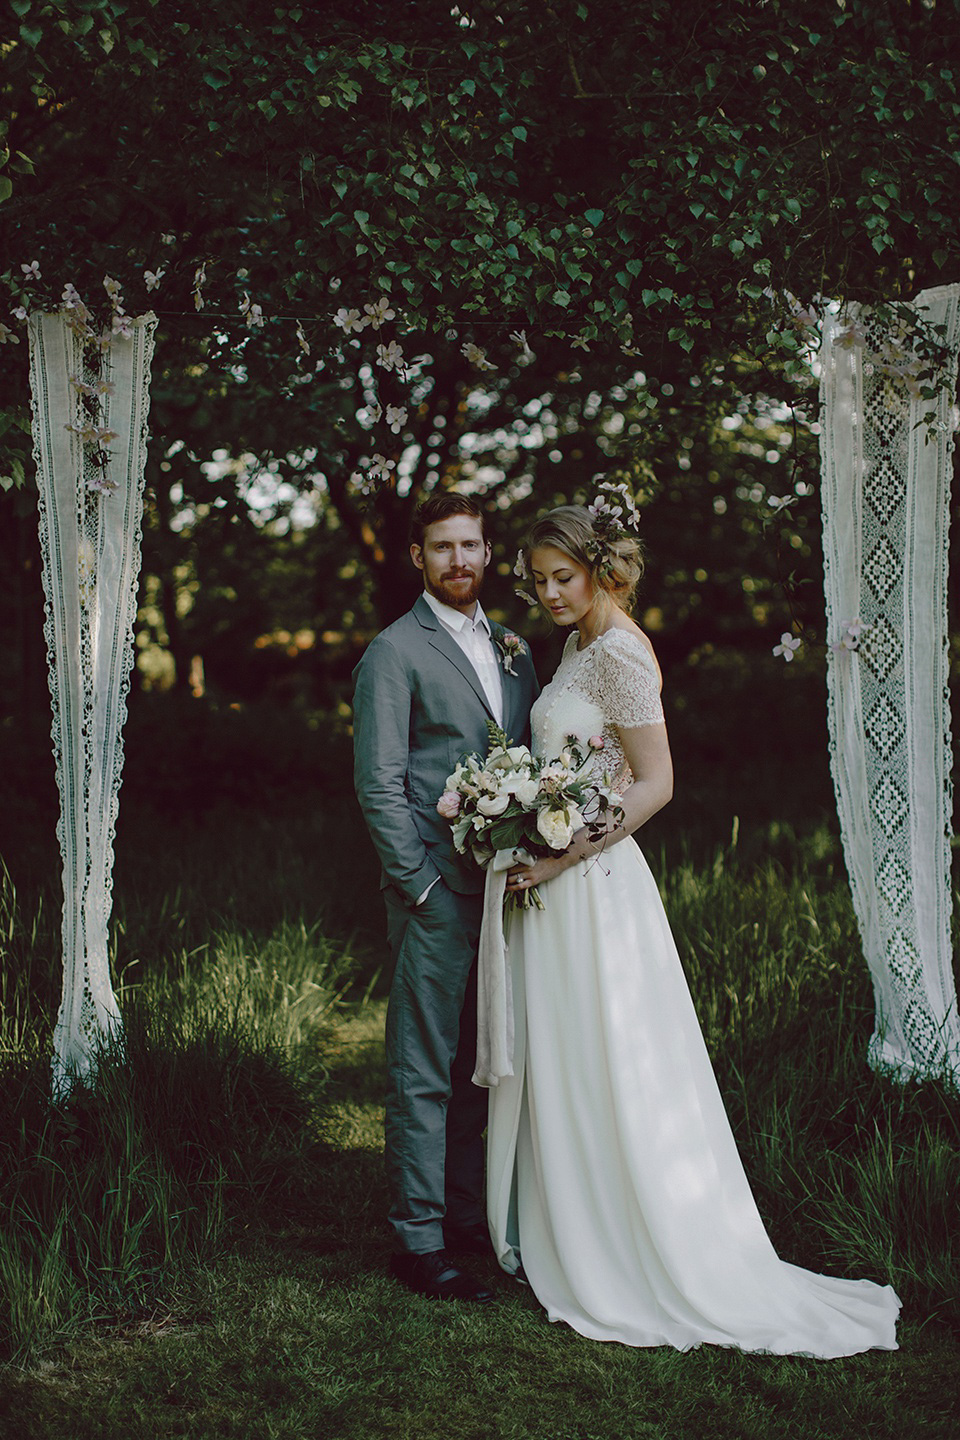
[494, 987]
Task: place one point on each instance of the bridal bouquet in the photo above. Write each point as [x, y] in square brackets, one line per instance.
[510, 800]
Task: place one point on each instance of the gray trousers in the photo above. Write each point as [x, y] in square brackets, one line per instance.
[435, 1115]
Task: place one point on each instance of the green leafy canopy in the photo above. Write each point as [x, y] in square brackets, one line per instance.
[636, 175]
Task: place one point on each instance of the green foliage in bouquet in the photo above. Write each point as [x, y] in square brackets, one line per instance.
[512, 800]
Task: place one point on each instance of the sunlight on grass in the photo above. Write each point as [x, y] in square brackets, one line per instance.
[200, 1247]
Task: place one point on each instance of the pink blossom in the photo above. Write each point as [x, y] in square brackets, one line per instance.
[449, 805]
[596, 742]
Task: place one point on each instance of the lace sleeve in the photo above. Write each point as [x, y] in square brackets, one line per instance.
[627, 681]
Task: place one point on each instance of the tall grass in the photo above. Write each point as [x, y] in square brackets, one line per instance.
[207, 1107]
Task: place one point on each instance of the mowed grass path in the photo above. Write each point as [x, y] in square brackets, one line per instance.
[296, 1332]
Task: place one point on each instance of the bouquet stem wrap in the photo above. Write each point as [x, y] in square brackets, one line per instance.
[494, 990]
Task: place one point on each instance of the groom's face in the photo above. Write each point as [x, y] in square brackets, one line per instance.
[453, 557]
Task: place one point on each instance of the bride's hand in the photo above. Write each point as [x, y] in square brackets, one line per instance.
[525, 877]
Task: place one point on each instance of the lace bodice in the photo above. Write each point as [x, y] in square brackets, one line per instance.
[612, 683]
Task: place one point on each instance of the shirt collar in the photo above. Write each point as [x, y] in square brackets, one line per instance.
[455, 619]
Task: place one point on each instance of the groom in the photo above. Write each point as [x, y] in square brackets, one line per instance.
[425, 689]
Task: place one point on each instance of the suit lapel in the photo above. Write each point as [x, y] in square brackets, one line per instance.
[440, 639]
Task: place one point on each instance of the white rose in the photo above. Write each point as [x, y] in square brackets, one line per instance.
[527, 792]
[511, 784]
[493, 804]
[519, 754]
[555, 828]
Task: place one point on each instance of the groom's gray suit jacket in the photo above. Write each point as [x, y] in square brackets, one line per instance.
[419, 707]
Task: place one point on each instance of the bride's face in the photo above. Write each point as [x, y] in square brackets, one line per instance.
[563, 585]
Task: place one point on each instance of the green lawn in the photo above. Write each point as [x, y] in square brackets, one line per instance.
[200, 1249]
[295, 1331]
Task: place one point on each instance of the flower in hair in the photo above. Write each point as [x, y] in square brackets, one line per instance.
[611, 513]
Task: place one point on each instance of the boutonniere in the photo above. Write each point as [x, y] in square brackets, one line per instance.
[509, 646]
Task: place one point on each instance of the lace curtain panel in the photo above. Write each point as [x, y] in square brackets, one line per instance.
[885, 493]
[90, 548]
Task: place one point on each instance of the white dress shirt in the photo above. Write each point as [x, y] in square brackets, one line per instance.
[472, 634]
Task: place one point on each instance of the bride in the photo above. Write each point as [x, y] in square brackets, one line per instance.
[612, 1170]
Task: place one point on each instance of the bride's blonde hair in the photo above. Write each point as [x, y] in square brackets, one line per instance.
[615, 565]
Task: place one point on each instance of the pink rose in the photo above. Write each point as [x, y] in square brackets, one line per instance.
[596, 742]
[449, 805]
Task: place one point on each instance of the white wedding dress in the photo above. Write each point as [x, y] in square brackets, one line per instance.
[613, 1175]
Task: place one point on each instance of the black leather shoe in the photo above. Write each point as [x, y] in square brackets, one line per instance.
[436, 1277]
[467, 1239]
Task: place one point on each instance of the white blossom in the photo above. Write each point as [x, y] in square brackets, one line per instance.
[851, 632]
[787, 647]
[476, 356]
[31, 271]
[101, 485]
[780, 502]
[379, 312]
[92, 435]
[252, 313]
[519, 337]
[396, 417]
[380, 467]
[71, 298]
[199, 279]
[348, 320]
[390, 356]
[152, 278]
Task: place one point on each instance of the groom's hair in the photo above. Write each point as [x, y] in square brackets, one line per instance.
[441, 506]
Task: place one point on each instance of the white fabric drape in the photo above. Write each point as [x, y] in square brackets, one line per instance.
[885, 494]
[90, 547]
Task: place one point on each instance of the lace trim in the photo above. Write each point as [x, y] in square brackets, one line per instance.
[885, 499]
[616, 676]
[90, 548]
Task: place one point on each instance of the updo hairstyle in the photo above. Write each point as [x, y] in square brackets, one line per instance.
[615, 565]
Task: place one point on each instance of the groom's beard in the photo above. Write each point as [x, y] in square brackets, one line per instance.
[457, 596]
